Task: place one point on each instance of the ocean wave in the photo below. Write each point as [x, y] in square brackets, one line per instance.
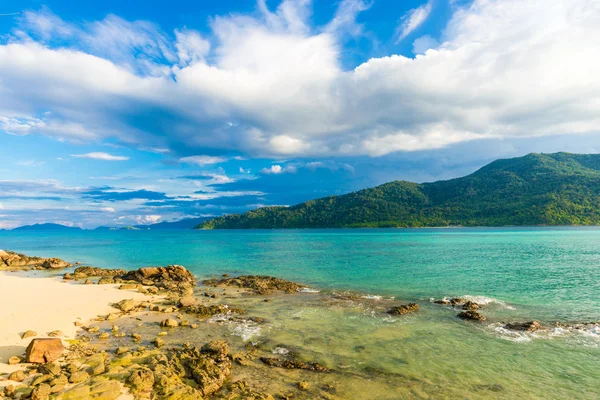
[513, 336]
[282, 351]
[308, 290]
[245, 330]
[371, 297]
[484, 300]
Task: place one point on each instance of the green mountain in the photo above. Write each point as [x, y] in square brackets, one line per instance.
[537, 189]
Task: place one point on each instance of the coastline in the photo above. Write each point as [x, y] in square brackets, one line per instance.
[32, 301]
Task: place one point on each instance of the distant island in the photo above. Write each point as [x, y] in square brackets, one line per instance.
[47, 227]
[537, 189]
[187, 223]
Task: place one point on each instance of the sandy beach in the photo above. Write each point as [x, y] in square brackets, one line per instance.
[46, 304]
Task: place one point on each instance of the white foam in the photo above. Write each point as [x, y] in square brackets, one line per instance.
[281, 351]
[308, 290]
[484, 300]
[371, 297]
[246, 331]
[513, 336]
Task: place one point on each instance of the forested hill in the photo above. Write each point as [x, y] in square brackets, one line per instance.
[537, 189]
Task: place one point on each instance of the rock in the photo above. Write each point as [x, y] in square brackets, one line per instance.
[210, 310]
[292, 364]
[99, 388]
[106, 280]
[111, 317]
[126, 305]
[258, 284]
[303, 385]
[119, 334]
[17, 376]
[173, 277]
[158, 342]
[59, 380]
[79, 376]
[93, 272]
[187, 301]
[55, 334]
[472, 315]
[194, 326]
[57, 388]
[9, 390]
[28, 334]
[114, 329]
[99, 369]
[78, 323]
[141, 381]
[530, 326]
[129, 286]
[72, 367]
[14, 360]
[403, 309]
[41, 392]
[43, 351]
[103, 336]
[163, 333]
[93, 329]
[136, 337]
[55, 263]
[457, 301]
[88, 282]
[470, 306]
[444, 302]
[121, 350]
[50, 369]
[169, 323]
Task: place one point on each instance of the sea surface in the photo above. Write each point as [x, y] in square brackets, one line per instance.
[518, 274]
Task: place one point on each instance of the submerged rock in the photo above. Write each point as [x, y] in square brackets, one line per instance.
[470, 306]
[213, 309]
[257, 283]
[293, 364]
[403, 309]
[43, 351]
[530, 326]
[456, 301]
[472, 315]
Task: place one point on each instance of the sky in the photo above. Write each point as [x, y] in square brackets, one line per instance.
[121, 112]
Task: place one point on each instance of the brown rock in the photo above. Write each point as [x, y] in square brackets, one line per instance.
[55, 334]
[403, 309]
[79, 376]
[41, 392]
[472, 315]
[43, 351]
[470, 306]
[258, 284]
[169, 323]
[187, 301]
[93, 271]
[28, 334]
[136, 337]
[50, 369]
[17, 376]
[158, 342]
[303, 385]
[141, 380]
[530, 326]
[103, 336]
[14, 360]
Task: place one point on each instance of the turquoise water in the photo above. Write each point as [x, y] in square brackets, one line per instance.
[546, 274]
[549, 273]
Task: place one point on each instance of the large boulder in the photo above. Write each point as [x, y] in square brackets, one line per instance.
[43, 351]
[55, 263]
[530, 326]
[173, 277]
[12, 260]
[472, 315]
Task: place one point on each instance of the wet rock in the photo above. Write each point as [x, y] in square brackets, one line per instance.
[187, 301]
[530, 326]
[242, 390]
[42, 379]
[103, 336]
[136, 337]
[444, 302]
[472, 315]
[97, 272]
[293, 364]
[457, 301]
[14, 360]
[79, 376]
[213, 309]
[470, 306]
[121, 350]
[169, 323]
[17, 376]
[93, 329]
[55, 263]
[258, 284]
[106, 280]
[43, 351]
[41, 392]
[403, 309]
[158, 342]
[28, 334]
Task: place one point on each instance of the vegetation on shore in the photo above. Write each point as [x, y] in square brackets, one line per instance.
[537, 189]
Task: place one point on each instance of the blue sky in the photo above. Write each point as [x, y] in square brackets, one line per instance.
[129, 112]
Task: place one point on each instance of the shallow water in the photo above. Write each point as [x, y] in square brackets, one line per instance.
[523, 274]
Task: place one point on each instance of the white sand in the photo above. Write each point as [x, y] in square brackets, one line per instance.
[44, 304]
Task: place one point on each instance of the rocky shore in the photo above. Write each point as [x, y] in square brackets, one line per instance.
[166, 338]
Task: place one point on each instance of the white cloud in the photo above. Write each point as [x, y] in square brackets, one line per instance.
[1, 206]
[202, 160]
[412, 20]
[270, 86]
[108, 209]
[100, 156]
[278, 169]
[191, 47]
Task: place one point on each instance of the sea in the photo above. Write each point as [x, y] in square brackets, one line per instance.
[353, 276]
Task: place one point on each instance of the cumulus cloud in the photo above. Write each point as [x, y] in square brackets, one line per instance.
[278, 169]
[100, 156]
[412, 20]
[271, 85]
